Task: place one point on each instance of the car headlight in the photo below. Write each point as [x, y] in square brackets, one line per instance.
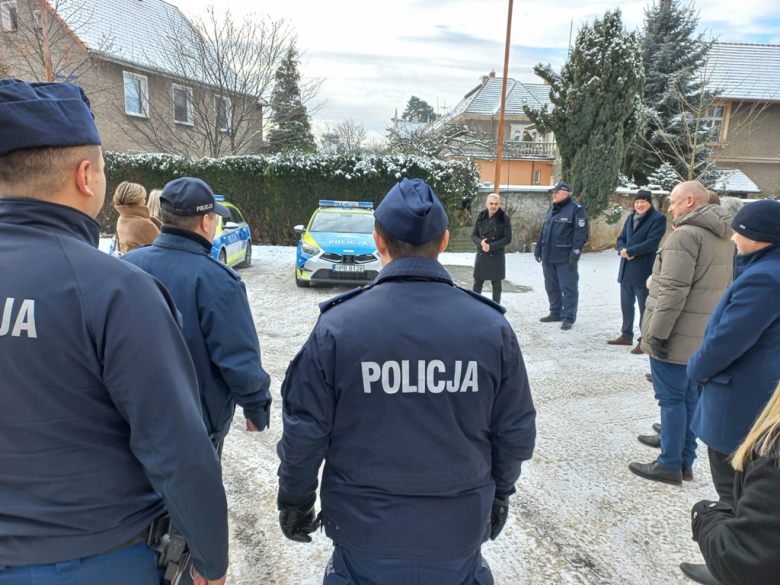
[308, 249]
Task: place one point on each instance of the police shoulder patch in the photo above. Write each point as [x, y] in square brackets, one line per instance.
[224, 266]
[487, 301]
[329, 304]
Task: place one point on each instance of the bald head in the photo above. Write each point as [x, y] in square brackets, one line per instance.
[686, 197]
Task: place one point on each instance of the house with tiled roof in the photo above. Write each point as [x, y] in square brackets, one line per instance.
[746, 80]
[528, 155]
[144, 68]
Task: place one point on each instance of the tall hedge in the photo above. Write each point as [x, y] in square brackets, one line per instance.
[277, 192]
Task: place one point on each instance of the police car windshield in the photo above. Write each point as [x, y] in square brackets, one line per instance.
[343, 222]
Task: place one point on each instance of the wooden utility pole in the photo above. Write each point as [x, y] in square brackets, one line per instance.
[503, 100]
[46, 47]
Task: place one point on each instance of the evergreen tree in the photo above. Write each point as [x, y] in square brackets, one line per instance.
[673, 56]
[418, 110]
[290, 120]
[597, 98]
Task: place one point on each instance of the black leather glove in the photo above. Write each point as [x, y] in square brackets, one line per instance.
[702, 508]
[657, 345]
[498, 516]
[573, 260]
[538, 258]
[297, 522]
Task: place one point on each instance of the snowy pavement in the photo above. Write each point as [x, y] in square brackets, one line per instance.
[579, 515]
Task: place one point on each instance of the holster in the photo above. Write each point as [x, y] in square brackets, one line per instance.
[168, 542]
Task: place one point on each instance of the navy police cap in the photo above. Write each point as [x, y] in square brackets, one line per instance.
[190, 196]
[36, 115]
[412, 213]
[561, 186]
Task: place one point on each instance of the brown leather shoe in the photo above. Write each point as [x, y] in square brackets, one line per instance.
[638, 349]
[620, 341]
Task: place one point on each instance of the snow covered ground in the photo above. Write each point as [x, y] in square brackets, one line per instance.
[579, 515]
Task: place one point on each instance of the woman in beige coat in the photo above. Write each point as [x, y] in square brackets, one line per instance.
[135, 227]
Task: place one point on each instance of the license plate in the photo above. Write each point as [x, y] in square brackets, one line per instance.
[348, 268]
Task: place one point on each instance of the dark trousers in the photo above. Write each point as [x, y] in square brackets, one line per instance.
[347, 567]
[677, 396]
[628, 294]
[496, 288]
[560, 281]
[723, 475]
[135, 565]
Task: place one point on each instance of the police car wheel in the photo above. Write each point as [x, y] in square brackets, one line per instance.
[248, 256]
[222, 257]
[300, 283]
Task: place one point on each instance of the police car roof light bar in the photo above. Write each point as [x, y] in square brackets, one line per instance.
[346, 204]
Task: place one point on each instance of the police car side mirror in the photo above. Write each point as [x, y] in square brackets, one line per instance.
[299, 229]
[230, 225]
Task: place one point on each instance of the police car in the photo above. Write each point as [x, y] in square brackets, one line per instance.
[233, 240]
[337, 246]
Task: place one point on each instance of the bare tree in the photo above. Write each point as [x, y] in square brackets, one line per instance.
[69, 58]
[351, 135]
[223, 68]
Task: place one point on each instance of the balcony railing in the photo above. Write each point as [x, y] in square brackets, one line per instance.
[523, 149]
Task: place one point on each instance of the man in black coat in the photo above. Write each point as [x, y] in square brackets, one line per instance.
[637, 244]
[492, 233]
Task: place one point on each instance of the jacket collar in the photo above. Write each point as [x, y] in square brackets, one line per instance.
[414, 268]
[744, 260]
[133, 211]
[485, 215]
[562, 204]
[50, 217]
[185, 240]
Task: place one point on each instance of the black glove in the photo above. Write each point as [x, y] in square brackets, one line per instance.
[297, 522]
[538, 258]
[657, 345]
[573, 260]
[498, 516]
[702, 508]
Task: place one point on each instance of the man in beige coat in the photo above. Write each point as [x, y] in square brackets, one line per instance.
[694, 267]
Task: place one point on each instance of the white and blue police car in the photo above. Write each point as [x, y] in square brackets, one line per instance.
[233, 240]
[337, 246]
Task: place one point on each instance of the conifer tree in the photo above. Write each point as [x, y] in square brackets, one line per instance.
[597, 99]
[289, 117]
[418, 110]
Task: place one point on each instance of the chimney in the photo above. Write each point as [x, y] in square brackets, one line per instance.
[493, 73]
[485, 79]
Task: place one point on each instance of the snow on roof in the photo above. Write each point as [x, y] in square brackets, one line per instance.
[734, 181]
[748, 72]
[407, 128]
[485, 100]
[134, 31]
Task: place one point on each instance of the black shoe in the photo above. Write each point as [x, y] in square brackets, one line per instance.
[650, 440]
[566, 325]
[656, 472]
[657, 427]
[649, 377]
[698, 573]
[687, 472]
[550, 319]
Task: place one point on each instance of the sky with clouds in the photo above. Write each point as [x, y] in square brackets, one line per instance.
[375, 54]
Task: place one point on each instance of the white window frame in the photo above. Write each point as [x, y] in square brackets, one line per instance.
[723, 118]
[537, 176]
[188, 90]
[229, 111]
[144, 97]
[5, 9]
[37, 20]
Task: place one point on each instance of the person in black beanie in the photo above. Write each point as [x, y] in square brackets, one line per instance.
[637, 245]
[738, 365]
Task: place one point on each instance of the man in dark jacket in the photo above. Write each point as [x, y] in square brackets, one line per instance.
[492, 233]
[559, 248]
[637, 244]
[100, 426]
[218, 324]
[423, 421]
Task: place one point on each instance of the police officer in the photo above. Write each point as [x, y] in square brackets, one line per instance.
[217, 321]
[415, 393]
[559, 247]
[100, 426]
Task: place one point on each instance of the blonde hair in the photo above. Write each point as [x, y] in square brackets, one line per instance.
[153, 203]
[763, 436]
[129, 194]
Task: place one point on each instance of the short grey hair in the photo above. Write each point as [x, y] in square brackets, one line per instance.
[493, 195]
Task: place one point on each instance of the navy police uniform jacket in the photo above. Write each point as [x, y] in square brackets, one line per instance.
[416, 395]
[564, 232]
[642, 244]
[100, 425]
[738, 365]
[217, 325]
